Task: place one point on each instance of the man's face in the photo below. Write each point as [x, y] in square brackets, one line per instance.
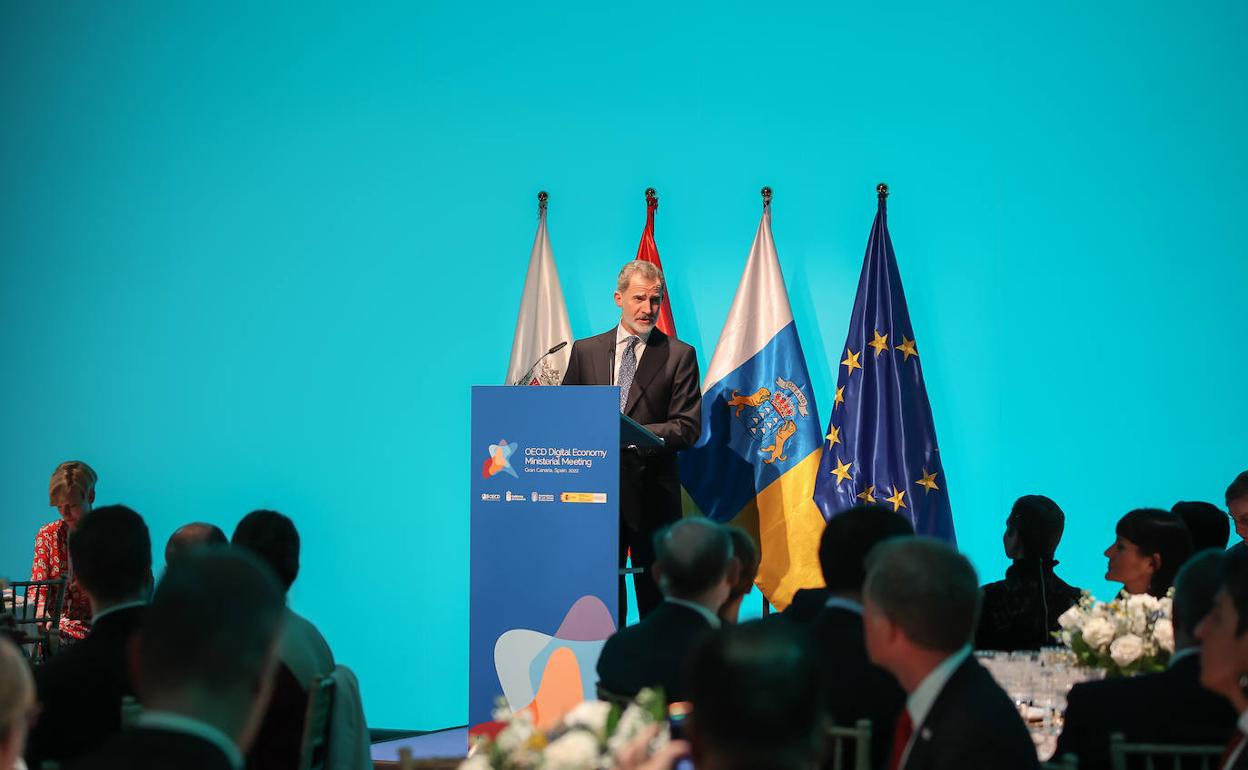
[1223, 652]
[1238, 509]
[639, 304]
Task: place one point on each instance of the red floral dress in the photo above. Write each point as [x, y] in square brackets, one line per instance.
[51, 563]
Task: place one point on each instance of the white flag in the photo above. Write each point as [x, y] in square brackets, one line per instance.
[543, 319]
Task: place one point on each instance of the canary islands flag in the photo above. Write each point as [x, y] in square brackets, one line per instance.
[881, 442]
[756, 459]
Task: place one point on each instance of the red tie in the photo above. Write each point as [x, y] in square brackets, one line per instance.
[1229, 754]
[901, 738]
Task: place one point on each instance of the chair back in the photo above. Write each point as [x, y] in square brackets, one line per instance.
[846, 745]
[1162, 756]
[35, 606]
[1064, 762]
[316, 724]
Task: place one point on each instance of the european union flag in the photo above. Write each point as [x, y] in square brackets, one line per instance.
[881, 444]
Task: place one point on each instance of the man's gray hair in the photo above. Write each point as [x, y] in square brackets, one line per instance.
[926, 587]
[646, 270]
[693, 555]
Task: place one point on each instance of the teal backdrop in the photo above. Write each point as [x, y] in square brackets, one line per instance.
[255, 254]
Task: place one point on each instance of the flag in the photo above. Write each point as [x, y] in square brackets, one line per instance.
[648, 251]
[880, 446]
[756, 459]
[543, 319]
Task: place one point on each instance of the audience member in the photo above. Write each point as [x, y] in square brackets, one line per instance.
[71, 491]
[1151, 546]
[806, 605]
[1223, 636]
[921, 599]
[205, 658]
[80, 690]
[852, 687]
[1020, 612]
[755, 700]
[191, 536]
[745, 553]
[1167, 707]
[303, 654]
[696, 573]
[1206, 523]
[17, 704]
[1237, 509]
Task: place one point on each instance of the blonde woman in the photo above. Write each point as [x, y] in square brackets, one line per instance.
[71, 492]
[17, 705]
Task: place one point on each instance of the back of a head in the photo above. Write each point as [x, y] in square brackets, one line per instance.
[71, 484]
[847, 539]
[1158, 532]
[17, 695]
[1238, 489]
[1206, 522]
[755, 697]
[273, 538]
[746, 553]
[191, 536]
[1039, 523]
[1235, 583]
[692, 556]
[927, 588]
[112, 553]
[1195, 587]
[212, 623]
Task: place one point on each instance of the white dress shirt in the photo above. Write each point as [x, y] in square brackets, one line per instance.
[621, 340]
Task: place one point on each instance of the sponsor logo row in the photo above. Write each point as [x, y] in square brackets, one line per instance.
[538, 497]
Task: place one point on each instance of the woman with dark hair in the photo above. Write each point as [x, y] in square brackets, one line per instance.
[1020, 612]
[1151, 546]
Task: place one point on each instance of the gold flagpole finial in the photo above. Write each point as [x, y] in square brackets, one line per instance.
[766, 191]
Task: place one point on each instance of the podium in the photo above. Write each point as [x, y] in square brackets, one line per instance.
[544, 543]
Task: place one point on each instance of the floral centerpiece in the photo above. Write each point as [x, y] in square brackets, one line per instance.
[588, 738]
[1133, 634]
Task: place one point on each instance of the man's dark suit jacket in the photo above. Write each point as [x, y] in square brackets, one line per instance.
[807, 605]
[666, 397]
[852, 687]
[1166, 707]
[81, 690]
[973, 725]
[652, 653]
[145, 748]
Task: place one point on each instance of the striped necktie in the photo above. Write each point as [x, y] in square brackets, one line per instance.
[628, 369]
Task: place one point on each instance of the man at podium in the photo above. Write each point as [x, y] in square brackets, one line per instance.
[659, 388]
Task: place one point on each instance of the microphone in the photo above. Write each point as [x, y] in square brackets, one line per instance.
[524, 378]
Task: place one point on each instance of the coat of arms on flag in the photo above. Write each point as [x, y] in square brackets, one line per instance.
[771, 416]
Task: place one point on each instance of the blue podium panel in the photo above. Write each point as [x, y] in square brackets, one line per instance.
[545, 531]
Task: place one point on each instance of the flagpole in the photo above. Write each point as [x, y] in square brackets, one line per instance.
[542, 197]
[766, 191]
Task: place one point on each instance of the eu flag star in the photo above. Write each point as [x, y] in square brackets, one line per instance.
[840, 397]
[928, 481]
[879, 344]
[851, 361]
[898, 499]
[907, 348]
[834, 435]
[841, 471]
[867, 495]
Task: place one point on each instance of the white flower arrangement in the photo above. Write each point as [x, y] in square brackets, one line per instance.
[589, 737]
[1132, 634]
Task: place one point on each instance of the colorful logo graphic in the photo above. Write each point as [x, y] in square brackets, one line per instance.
[500, 460]
[771, 417]
[549, 675]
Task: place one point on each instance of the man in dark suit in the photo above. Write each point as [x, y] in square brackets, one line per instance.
[82, 688]
[659, 388]
[696, 570]
[1237, 508]
[1167, 707]
[852, 687]
[920, 602]
[1223, 636]
[205, 657]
